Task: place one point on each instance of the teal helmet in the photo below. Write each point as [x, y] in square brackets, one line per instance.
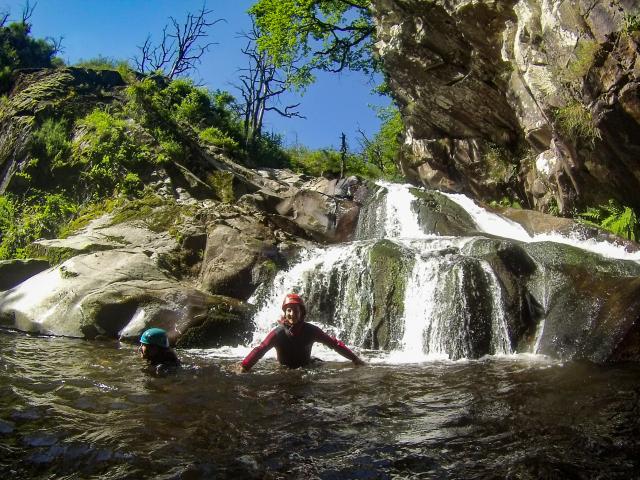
[155, 336]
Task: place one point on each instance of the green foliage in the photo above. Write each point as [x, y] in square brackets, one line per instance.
[214, 136]
[50, 143]
[108, 152]
[585, 55]
[631, 23]
[499, 165]
[382, 150]
[267, 150]
[329, 34]
[575, 121]
[87, 213]
[102, 63]
[327, 162]
[615, 218]
[181, 101]
[505, 202]
[39, 216]
[19, 50]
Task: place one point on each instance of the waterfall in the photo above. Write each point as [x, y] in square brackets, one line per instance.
[433, 317]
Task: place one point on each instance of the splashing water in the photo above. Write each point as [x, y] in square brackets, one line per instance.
[436, 321]
[496, 225]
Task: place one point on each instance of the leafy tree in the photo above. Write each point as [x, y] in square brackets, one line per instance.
[19, 50]
[330, 35]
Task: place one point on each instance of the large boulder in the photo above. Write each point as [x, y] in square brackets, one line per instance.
[589, 304]
[240, 250]
[109, 294]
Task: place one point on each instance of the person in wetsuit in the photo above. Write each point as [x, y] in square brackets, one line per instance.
[154, 348]
[294, 338]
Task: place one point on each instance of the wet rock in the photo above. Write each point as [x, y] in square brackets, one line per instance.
[439, 215]
[390, 268]
[113, 294]
[600, 294]
[14, 272]
[235, 247]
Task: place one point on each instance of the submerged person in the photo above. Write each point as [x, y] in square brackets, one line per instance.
[294, 338]
[154, 348]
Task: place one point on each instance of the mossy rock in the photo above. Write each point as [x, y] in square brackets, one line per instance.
[390, 266]
[440, 215]
[228, 322]
[560, 257]
[156, 213]
[57, 254]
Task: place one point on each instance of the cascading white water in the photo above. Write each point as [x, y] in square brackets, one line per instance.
[343, 274]
[496, 225]
[449, 296]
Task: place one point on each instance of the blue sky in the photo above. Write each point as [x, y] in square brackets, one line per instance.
[114, 28]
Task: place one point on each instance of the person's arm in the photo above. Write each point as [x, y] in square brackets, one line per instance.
[337, 345]
[258, 352]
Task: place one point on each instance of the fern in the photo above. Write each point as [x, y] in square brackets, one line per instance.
[615, 218]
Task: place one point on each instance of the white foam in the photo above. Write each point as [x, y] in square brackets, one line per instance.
[494, 224]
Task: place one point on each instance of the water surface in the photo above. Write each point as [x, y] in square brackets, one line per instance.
[77, 409]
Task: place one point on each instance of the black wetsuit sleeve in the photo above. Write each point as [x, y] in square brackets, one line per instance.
[257, 353]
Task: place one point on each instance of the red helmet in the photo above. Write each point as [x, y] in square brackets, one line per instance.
[294, 299]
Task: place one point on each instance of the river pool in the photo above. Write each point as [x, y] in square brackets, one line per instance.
[77, 409]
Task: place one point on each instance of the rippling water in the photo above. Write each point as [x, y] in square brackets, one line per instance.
[75, 409]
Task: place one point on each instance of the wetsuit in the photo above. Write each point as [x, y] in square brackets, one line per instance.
[293, 346]
[164, 361]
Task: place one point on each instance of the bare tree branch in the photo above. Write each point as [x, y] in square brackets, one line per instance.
[27, 11]
[262, 83]
[56, 45]
[180, 49]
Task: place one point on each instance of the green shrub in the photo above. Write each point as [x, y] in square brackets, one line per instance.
[631, 23]
[267, 151]
[615, 218]
[575, 121]
[498, 163]
[100, 63]
[505, 202]
[314, 162]
[216, 137]
[50, 143]
[39, 216]
[108, 152]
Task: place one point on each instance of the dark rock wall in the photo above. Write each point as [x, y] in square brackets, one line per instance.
[486, 90]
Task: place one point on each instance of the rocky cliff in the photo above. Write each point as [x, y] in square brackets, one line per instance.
[184, 252]
[534, 100]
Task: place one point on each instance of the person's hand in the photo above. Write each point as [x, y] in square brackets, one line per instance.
[239, 368]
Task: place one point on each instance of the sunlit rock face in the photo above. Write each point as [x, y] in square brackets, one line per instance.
[536, 100]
